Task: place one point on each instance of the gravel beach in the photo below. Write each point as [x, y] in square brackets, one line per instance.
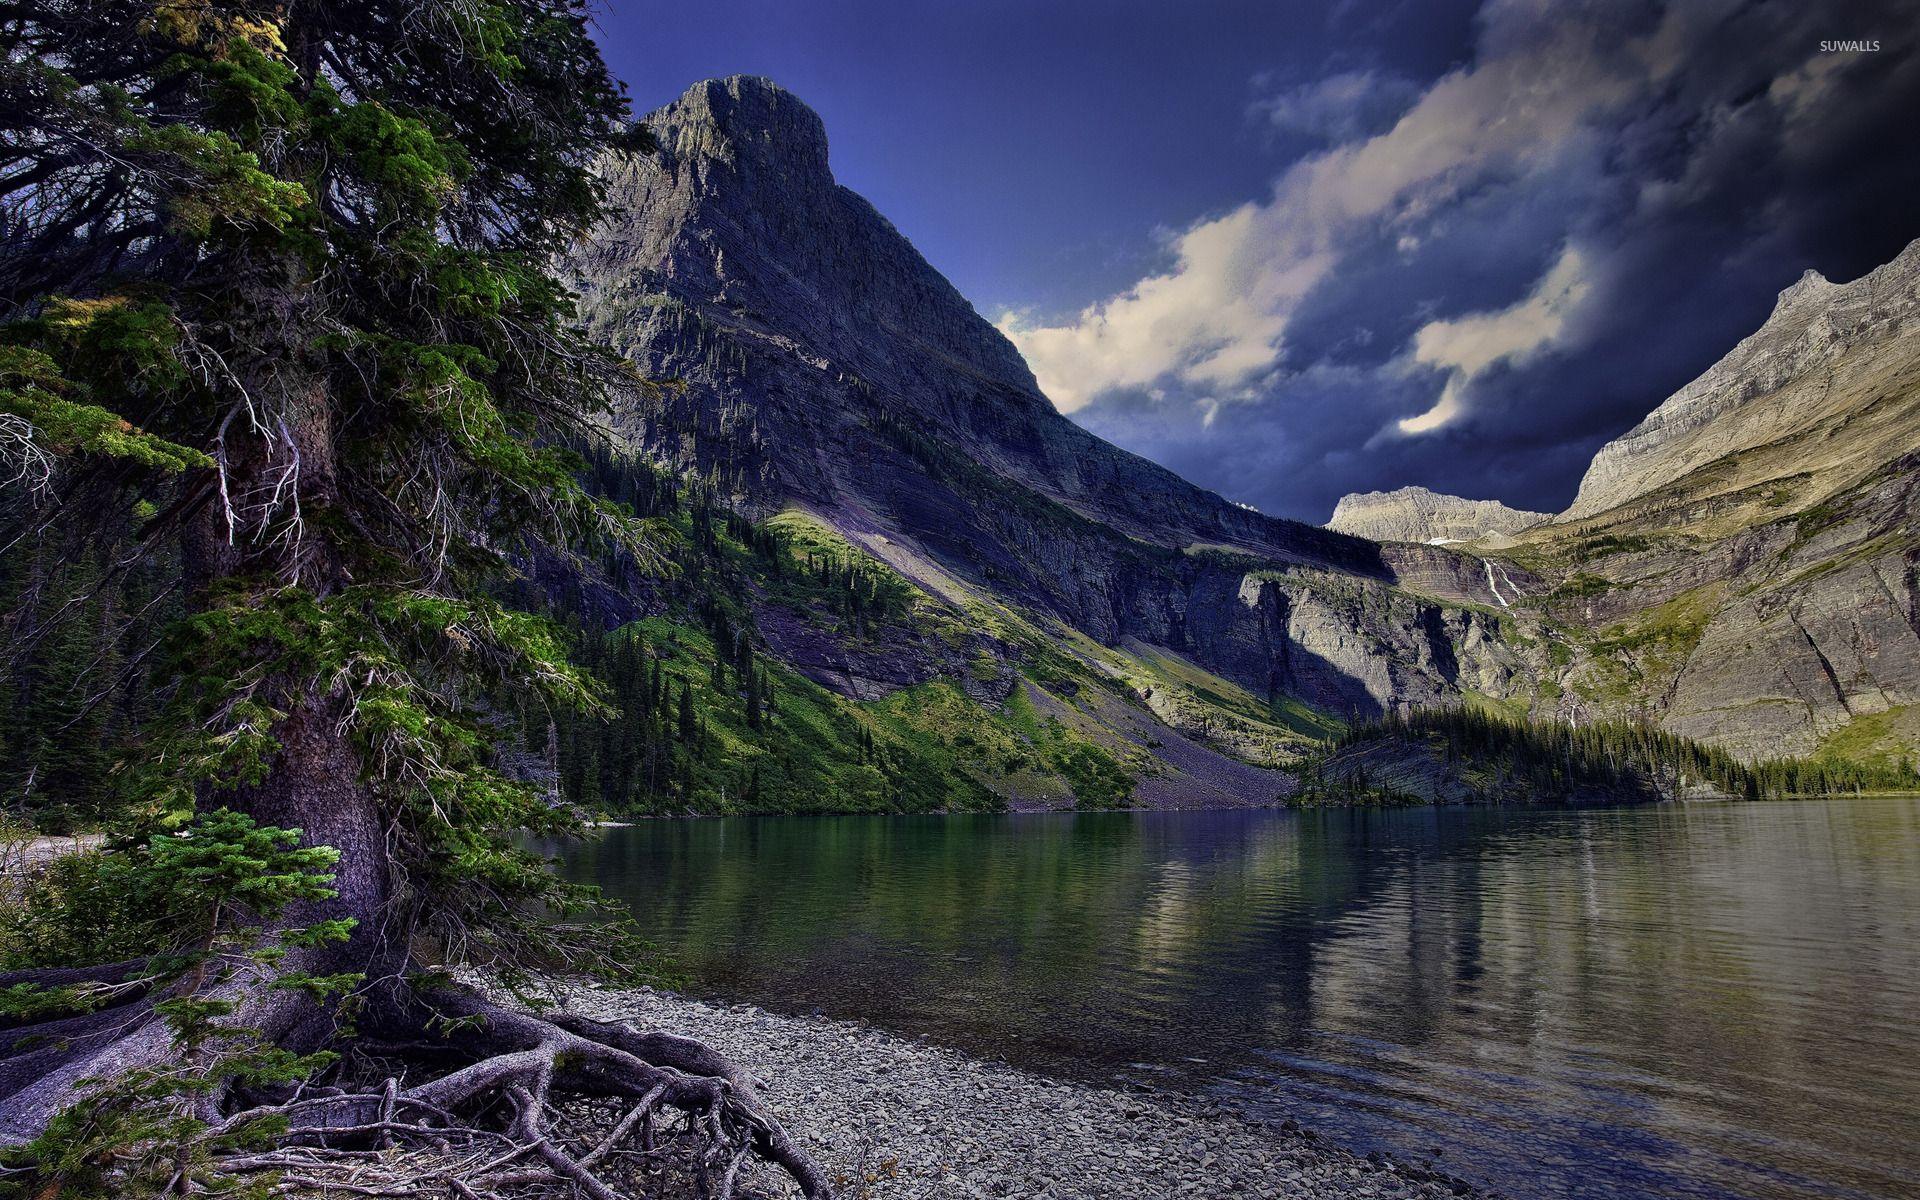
[893, 1117]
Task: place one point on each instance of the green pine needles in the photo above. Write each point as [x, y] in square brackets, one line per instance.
[204, 910]
[281, 282]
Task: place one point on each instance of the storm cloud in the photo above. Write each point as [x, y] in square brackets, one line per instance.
[1469, 282]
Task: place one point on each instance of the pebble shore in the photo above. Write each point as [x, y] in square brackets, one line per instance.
[897, 1118]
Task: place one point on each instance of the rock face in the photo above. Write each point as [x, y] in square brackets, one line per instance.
[1414, 514]
[813, 361]
[1745, 559]
[1775, 384]
[736, 264]
[1796, 635]
[1742, 567]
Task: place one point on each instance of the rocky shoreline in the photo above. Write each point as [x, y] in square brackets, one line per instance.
[892, 1117]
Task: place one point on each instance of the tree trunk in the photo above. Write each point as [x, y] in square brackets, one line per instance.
[260, 527]
[314, 787]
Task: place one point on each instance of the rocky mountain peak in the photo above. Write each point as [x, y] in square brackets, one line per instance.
[1742, 401]
[806, 331]
[738, 219]
[749, 123]
[1415, 514]
[1812, 288]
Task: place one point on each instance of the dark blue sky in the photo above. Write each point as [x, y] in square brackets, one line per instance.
[1294, 250]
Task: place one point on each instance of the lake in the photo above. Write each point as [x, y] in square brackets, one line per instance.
[1689, 1001]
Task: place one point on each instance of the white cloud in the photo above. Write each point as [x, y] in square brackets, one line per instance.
[1210, 322]
[1216, 320]
[1444, 410]
[1465, 347]
[1337, 108]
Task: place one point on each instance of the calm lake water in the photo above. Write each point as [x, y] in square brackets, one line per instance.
[1711, 1000]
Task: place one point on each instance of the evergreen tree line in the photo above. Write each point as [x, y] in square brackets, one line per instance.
[81, 623]
[620, 477]
[853, 589]
[841, 583]
[643, 759]
[703, 726]
[651, 492]
[1556, 758]
[83, 620]
[735, 669]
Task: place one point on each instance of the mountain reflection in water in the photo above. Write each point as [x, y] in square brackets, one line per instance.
[1713, 1000]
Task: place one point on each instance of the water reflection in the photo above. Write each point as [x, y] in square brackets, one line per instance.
[1699, 1001]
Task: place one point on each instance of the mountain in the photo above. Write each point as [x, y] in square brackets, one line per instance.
[820, 376]
[1744, 564]
[1741, 569]
[1819, 394]
[735, 233]
[1414, 514]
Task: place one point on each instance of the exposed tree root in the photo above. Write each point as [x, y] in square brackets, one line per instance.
[533, 1107]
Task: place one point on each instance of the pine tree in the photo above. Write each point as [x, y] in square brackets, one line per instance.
[285, 268]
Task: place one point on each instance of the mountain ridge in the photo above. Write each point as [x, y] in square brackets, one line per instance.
[1742, 401]
[743, 145]
[1417, 514]
[813, 371]
[1744, 564]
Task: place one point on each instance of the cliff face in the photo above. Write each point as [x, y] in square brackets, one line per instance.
[1742, 564]
[1741, 567]
[811, 361]
[1414, 514]
[1793, 635]
[1821, 353]
[735, 260]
